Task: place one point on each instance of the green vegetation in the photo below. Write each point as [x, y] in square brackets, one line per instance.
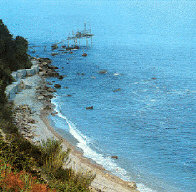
[23, 165]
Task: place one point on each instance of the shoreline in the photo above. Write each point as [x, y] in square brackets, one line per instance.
[87, 164]
[41, 106]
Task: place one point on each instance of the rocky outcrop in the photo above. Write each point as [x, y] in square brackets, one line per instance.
[48, 70]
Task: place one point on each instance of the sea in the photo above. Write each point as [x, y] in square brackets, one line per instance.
[144, 105]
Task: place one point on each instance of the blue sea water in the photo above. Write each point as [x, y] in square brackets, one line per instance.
[148, 49]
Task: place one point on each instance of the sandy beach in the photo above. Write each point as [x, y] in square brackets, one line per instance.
[41, 130]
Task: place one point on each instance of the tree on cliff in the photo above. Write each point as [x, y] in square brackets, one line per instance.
[13, 52]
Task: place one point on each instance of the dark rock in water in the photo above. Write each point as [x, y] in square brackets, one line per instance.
[50, 96]
[82, 73]
[69, 95]
[114, 157]
[60, 77]
[103, 71]
[47, 60]
[91, 107]
[84, 54]
[53, 54]
[63, 46]
[66, 87]
[54, 46]
[53, 74]
[116, 90]
[57, 86]
[54, 113]
[154, 78]
[70, 52]
[52, 67]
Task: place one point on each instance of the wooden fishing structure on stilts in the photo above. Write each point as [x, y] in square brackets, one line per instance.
[73, 41]
[85, 34]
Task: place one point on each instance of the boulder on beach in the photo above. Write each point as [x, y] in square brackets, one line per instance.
[47, 107]
[132, 185]
[57, 86]
[44, 63]
[91, 107]
[40, 97]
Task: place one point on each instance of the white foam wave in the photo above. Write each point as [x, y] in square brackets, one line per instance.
[106, 162]
[116, 74]
[142, 188]
[83, 143]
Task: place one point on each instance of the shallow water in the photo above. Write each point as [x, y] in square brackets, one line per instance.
[148, 49]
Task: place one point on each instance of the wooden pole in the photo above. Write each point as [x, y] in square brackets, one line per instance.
[86, 42]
